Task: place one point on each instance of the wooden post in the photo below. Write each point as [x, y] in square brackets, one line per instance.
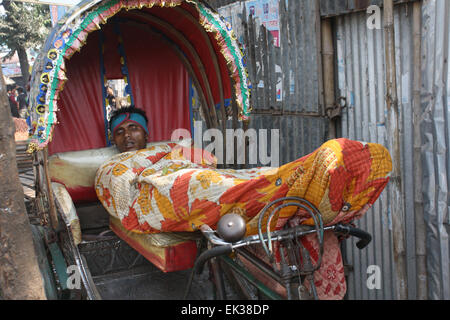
[328, 73]
[422, 287]
[20, 277]
[395, 190]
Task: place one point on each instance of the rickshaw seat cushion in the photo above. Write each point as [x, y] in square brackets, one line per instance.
[169, 251]
[68, 210]
[76, 169]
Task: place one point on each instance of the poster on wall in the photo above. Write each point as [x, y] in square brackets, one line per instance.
[57, 12]
[11, 70]
[264, 12]
[267, 12]
[232, 13]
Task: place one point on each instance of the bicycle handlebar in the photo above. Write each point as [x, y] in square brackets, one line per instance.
[365, 237]
[224, 248]
[209, 254]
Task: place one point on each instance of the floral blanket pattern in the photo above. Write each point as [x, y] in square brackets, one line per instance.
[159, 189]
[164, 189]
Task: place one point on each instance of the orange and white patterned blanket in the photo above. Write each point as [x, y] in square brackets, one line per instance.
[160, 190]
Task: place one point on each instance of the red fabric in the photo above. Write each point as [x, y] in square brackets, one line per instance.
[80, 194]
[221, 60]
[329, 280]
[80, 116]
[158, 80]
[192, 34]
[175, 258]
[111, 56]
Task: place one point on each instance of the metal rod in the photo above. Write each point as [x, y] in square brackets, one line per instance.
[51, 199]
[257, 262]
[250, 278]
[288, 205]
[89, 285]
[277, 235]
[266, 208]
[218, 279]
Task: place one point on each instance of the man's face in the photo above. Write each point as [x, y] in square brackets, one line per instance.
[130, 136]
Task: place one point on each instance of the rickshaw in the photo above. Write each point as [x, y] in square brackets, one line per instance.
[180, 61]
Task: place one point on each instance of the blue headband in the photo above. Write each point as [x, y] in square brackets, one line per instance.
[133, 117]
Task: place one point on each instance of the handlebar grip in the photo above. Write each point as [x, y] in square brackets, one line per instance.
[209, 254]
[365, 237]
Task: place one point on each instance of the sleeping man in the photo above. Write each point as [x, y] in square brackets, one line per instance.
[129, 129]
[160, 189]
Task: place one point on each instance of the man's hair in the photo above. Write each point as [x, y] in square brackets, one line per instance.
[130, 109]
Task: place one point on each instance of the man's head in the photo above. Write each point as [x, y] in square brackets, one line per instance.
[129, 129]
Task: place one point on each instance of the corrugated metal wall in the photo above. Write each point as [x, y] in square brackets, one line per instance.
[283, 97]
[424, 134]
[417, 266]
[362, 83]
[329, 8]
[435, 124]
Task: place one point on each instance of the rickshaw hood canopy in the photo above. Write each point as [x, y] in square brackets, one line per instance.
[204, 38]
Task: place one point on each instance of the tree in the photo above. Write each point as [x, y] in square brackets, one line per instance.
[20, 277]
[23, 26]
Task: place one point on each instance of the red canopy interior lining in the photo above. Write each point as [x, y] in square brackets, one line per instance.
[159, 83]
[158, 78]
[178, 19]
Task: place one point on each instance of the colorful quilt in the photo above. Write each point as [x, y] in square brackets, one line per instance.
[170, 188]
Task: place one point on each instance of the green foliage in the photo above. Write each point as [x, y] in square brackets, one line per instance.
[24, 25]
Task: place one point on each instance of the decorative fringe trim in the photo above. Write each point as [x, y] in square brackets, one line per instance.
[72, 38]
